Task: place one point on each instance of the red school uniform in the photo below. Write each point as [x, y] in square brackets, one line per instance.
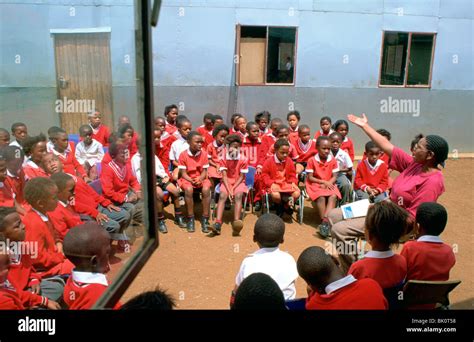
[70, 163]
[321, 133]
[101, 134]
[206, 134]
[371, 176]
[162, 151]
[22, 274]
[428, 258]
[170, 128]
[86, 200]
[323, 170]
[10, 298]
[348, 147]
[304, 151]
[194, 165]
[7, 196]
[293, 133]
[83, 289]
[64, 218]
[17, 184]
[214, 153]
[266, 131]
[281, 173]
[268, 141]
[116, 180]
[234, 167]
[40, 230]
[386, 268]
[254, 151]
[32, 170]
[293, 155]
[349, 294]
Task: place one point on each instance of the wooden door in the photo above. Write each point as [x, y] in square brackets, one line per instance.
[252, 60]
[83, 78]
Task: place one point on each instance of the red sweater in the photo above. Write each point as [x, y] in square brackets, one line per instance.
[7, 198]
[10, 299]
[205, 134]
[87, 200]
[17, 184]
[376, 178]
[116, 182]
[304, 152]
[254, 151]
[32, 170]
[63, 219]
[348, 146]
[364, 294]
[22, 274]
[102, 135]
[70, 164]
[270, 170]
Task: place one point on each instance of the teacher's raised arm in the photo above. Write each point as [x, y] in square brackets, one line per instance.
[377, 138]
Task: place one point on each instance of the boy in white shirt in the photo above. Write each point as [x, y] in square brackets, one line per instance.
[89, 152]
[344, 176]
[180, 144]
[269, 259]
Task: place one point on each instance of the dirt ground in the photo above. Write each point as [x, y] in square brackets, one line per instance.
[199, 271]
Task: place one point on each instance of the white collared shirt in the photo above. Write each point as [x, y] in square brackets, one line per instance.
[278, 161]
[279, 265]
[336, 285]
[93, 154]
[373, 168]
[15, 143]
[343, 159]
[89, 278]
[136, 167]
[430, 238]
[379, 254]
[43, 217]
[177, 147]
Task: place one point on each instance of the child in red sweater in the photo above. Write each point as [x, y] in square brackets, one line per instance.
[9, 297]
[325, 122]
[279, 178]
[7, 195]
[233, 167]
[88, 247]
[35, 149]
[329, 289]
[371, 179]
[269, 139]
[262, 119]
[41, 193]
[293, 119]
[67, 156]
[304, 145]
[342, 127]
[15, 179]
[100, 132]
[321, 185]
[283, 132]
[385, 224]
[171, 112]
[206, 128]
[215, 150]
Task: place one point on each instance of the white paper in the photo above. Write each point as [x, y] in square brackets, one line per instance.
[355, 209]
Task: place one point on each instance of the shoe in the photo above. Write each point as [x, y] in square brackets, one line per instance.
[216, 228]
[179, 220]
[258, 206]
[205, 225]
[162, 226]
[190, 225]
[237, 226]
[324, 230]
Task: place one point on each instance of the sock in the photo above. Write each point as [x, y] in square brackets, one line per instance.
[190, 217]
[161, 217]
[177, 212]
[219, 221]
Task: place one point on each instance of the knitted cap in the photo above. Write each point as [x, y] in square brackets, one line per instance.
[439, 147]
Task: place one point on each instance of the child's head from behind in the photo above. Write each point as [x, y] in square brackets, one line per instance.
[383, 132]
[184, 127]
[66, 186]
[282, 132]
[325, 124]
[269, 231]
[431, 218]
[263, 119]
[372, 151]
[336, 141]
[323, 145]
[253, 130]
[35, 147]
[195, 141]
[293, 118]
[4, 137]
[318, 268]
[14, 157]
[282, 149]
[219, 133]
[274, 124]
[85, 131]
[385, 224]
[151, 300]
[19, 131]
[208, 120]
[51, 164]
[259, 292]
[11, 226]
[42, 194]
[87, 246]
[95, 118]
[304, 133]
[341, 127]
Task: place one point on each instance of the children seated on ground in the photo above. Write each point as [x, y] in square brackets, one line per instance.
[193, 164]
[20, 133]
[15, 177]
[325, 123]
[22, 276]
[385, 224]
[215, 152]
[41, 193]
[279, 178]
[66, 155]
[293, 119]
[157, 300]
[329, 289]
[428, 258]
[268, 234]
[262, 119]
[342, 127]
[321, 187]
[258, 292]
[4, 137]
[89, 152]
[179, 145]
[344, 163]
[233, 167]
[171, 112]
[206, 128]
[34, 148]
[371, 179]
[100, 132]
[305, 147]
[88, 248]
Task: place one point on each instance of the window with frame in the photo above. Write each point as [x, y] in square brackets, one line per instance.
[407, 59]
[266, 55]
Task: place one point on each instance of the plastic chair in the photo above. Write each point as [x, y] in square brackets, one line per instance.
[419, 292]
[74, 138]
[250, 183]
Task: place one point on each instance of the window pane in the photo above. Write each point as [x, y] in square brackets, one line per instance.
[280, 55]
[420, 59]
[394, 58]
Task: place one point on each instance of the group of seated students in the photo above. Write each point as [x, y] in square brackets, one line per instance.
[48, 190]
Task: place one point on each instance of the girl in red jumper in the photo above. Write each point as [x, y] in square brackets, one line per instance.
[35, 149]
[342, 127]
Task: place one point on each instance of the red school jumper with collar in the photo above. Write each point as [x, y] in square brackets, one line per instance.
[17, 184]
[281, 173]
[70, 163]
[214, 153]
[304, 151]
[206, 134]
[256, 156]
[162, 150]
[293, 133]
[265, 132]
[87, 200]
[194, 166]
[9, 297]
[293, 155]
[32, 170]
[170, 128]
[323, 170]
[371, 176]
[386, 268]
[7, 195]
[116, 180]
[321, 133]
[348, 147]
[64, 218]
[101, 134]
[234, 167]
